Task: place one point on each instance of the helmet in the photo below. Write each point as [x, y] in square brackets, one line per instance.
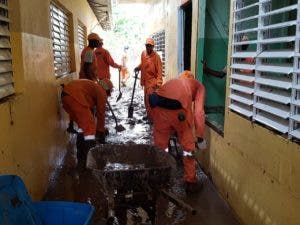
[94, 36]
[186, 74]
[149, 41]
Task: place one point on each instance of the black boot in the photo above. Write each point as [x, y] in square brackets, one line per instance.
[192, 188]
[83, 147]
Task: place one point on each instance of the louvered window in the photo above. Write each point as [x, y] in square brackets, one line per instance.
[265, 78]
[159, 39]
[6, 76]
[60, 28]
[81, 36]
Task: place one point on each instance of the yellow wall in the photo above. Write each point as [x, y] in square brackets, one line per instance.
[32, 123]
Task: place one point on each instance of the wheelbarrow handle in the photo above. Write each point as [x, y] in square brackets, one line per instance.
[173, 198]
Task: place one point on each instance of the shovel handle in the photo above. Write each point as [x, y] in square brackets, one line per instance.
[119, 80]
[136, 73]
[112, 112]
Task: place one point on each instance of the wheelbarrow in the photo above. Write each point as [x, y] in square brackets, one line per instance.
[133, 176]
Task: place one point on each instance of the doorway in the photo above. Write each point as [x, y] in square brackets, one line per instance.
[184, 36]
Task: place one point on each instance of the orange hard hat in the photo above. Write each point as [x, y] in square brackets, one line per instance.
[94, 36]
[106, 84]
[186, 74]
[149, 41]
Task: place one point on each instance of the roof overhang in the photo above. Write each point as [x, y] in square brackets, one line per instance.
[103, 11]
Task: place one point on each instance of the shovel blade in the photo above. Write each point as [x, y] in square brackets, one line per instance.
[119, 96]
[130, 111]
[120, 128]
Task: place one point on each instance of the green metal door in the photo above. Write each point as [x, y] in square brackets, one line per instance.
[212, 46]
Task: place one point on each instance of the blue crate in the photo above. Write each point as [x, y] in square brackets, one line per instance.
[64, 213]
[17, 208]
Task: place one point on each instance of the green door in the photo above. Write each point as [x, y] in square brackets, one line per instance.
[212, 46]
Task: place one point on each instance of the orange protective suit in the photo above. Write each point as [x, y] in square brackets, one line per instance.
[88, 50]
[166, 121]
[79, 97]
[104, 60]
[151, 75]
[124, 70]
[246, 71]
[249, 61]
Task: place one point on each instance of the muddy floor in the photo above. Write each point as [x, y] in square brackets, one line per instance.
[67, 184]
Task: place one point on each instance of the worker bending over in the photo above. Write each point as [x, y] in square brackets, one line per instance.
[78, 99]
[151, 72]
[172, 112]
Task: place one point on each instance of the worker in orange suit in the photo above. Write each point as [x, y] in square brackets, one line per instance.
[104, 61]
[88, 65]
[173, 112]
[124, 70]
[151, 72]
[88, 55]
[78, 99]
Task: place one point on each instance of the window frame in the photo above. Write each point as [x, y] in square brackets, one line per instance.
[7, 88]
[270, 95]
[68, 49]
[81, 29]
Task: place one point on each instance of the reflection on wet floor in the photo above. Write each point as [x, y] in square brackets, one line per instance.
[69, 184]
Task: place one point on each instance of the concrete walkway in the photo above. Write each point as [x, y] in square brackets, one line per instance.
[67, 184]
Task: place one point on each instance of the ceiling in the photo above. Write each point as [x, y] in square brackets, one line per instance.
[103, 11]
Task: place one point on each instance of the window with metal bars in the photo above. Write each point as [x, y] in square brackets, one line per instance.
[159, 39]
[265, 64]
[6, 74]
[82, 36]
[60, 28]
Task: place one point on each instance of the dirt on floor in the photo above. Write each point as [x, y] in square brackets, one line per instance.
[69, 184]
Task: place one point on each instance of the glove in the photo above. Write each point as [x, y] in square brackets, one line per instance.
[201, 143]
[100, 137]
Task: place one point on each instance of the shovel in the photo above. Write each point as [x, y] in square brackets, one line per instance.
[119, 127]
[130, 108]
[120, 93]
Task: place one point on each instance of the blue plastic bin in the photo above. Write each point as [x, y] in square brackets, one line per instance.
[17, 208]
[64, 213]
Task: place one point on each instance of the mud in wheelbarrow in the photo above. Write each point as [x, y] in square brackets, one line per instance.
[131, 167]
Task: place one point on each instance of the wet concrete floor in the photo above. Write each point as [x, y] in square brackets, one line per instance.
[67, 184]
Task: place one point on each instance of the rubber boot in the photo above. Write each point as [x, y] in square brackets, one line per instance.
[83, 147]
[192, 188]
